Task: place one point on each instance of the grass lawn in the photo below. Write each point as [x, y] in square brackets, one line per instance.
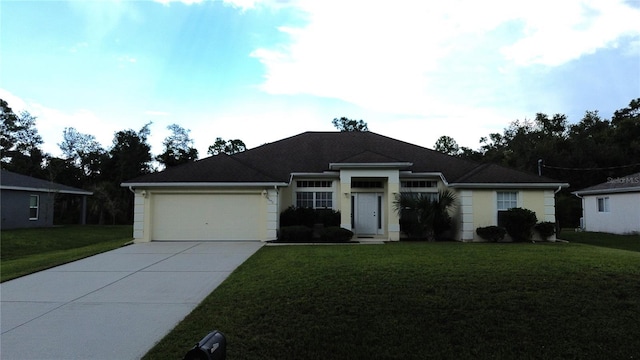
[24, 251]
[624, 242]
[423, 300]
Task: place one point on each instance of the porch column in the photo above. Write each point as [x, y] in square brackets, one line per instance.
[344, 199]
[393, 186]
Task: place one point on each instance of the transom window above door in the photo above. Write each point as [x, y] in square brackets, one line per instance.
[314, 183]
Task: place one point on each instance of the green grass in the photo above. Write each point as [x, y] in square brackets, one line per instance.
[24, 251]
[423, 300]
[624, 242]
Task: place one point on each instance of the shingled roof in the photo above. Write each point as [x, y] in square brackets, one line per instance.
[629, 183]
[313, 152]
[13, 181]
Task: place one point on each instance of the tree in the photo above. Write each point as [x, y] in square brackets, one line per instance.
[82, 150]
[447, 145]
[178, 147]
[20, 142]
[424, 216]
[130, 154]
[228, 147]
[626, 129]
[344, 124]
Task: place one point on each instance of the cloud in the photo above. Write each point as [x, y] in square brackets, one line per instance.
[51, 122]
[187, 2]
[571, 30]
[156, 113]
[402, 57]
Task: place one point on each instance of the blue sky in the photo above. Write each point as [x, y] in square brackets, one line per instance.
[264, 70]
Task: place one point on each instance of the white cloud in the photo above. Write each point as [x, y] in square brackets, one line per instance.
[385, 56]
[570, 30]
[187, 2]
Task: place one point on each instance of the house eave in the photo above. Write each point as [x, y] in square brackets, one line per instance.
[45, 190]
[201, 184]
[607, 191]
[508, 185]
[390, 165]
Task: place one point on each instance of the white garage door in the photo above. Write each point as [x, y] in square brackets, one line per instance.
[206, 217]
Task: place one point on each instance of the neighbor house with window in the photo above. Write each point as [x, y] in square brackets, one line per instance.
[28, 202]
[360, 174]
[612, 206]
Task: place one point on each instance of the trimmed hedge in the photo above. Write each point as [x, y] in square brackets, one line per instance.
[491, 233]
[546, 229]
[335, 234]
[304, 234]
[519, 223]
[293, 216]
[296, 233]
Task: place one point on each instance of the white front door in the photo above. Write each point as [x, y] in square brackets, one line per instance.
[366, 214]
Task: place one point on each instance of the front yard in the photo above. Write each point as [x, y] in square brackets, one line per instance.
[24, 251]
[423, 300]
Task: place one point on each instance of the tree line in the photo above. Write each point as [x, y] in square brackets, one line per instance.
[86, 164]
[589, 152]
[583, 154]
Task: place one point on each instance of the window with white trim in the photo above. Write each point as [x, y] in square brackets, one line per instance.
[34, 207]
[603, 204]
[507, 200]
[314, 194]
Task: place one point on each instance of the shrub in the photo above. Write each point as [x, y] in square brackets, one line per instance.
[546, 229]
[328, 217]
[519, 223]
[296, 233]
[491, 233]
[293, 216]
[335, 234]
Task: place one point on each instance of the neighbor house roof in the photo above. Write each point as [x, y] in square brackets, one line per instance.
[13, 181]
[320, 152]
[629, 183]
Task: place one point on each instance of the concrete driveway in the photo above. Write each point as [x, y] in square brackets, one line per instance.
[115, 305]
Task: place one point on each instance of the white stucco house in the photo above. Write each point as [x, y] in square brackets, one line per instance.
[612, 206]
[241, 196]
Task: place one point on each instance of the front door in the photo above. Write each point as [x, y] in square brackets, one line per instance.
[366, 214]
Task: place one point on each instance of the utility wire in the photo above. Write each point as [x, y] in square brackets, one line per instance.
[591, 169]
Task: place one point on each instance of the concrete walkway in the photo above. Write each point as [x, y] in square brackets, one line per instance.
[115, 305]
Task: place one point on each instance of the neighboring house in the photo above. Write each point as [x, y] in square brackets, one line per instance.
[613, 206]
[28, 202]
[241, 196]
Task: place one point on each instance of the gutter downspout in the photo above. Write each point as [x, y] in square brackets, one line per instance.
[583, 222]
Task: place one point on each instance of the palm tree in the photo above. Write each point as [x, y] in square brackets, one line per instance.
[424, 216]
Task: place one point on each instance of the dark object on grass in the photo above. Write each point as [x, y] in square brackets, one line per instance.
[211, 347]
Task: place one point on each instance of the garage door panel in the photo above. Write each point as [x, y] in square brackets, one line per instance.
[206, 217]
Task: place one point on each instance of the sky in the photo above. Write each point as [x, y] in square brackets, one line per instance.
[264, 70]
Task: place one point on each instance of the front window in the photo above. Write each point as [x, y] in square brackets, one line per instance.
[34, 205]
[603, 204]
[507, 200]
[314, 194]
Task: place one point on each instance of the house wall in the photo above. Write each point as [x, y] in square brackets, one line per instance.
[15, 209]
[623, 216]
[479, 208]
